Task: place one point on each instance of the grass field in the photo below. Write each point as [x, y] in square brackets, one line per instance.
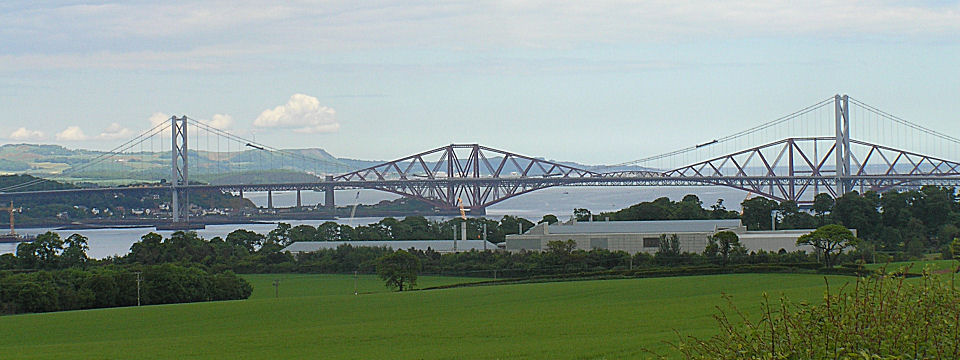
[317, 316]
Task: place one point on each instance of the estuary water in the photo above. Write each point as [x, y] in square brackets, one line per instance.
[559, 201]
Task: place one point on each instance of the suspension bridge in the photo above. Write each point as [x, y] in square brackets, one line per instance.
[834, 146]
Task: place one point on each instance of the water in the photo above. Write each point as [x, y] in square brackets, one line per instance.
[558, 201]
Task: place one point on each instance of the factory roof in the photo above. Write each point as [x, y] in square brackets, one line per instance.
[435, 245]
[626, 227]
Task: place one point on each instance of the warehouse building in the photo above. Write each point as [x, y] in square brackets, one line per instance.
[644, 236]
[440, 246]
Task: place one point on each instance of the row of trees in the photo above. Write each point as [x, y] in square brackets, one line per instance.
[914, 221]
[399, 269]
[111, 286]
[408, 228]
[54, 274]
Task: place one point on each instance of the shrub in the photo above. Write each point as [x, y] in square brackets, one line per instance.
[877, 317]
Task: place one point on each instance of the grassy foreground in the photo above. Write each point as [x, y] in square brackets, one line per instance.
[317, 316]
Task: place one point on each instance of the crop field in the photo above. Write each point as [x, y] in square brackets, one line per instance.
[318, 316]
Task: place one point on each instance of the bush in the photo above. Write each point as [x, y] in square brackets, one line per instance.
[878, 317]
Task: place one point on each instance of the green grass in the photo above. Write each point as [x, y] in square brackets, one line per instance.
[318, 317]
[297, 285]
[916, 266]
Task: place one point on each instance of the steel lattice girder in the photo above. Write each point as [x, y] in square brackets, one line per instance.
[781, 170]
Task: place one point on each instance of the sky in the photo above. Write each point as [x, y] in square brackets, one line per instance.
[597, 82]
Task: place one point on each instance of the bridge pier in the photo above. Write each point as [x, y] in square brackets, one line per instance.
[328, 198]
[299, 204]
[270, 199]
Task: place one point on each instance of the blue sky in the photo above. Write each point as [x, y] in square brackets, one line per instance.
[594, 82]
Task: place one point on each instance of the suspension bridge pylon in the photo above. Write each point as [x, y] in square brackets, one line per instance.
[841, 105]
[180, 181]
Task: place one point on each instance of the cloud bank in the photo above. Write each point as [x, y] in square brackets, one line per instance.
[24, 134]
[72, 133]
[302, 113]
[223, 34]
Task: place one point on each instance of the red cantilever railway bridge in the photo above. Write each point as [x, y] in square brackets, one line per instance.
[791, 168]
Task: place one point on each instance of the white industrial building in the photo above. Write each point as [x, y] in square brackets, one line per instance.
[440, 246]
[644, 236]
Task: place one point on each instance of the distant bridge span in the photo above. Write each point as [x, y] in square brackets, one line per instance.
[480, 182]
[792, 168]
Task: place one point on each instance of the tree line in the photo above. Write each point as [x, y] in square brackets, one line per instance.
[53, 274]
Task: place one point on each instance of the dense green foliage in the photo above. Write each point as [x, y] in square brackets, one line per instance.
[54, 274]
[112, 286]
[689, 208]
[906, 224]
[879, 317]
[410, 228]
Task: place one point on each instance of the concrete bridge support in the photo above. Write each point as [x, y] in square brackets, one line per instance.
[328, 198]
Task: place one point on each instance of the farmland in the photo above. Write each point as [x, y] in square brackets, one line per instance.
[318, 316]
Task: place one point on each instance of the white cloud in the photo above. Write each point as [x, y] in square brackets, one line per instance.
[302, 113]
[72, 133]
[27, 135]
[158, 118]
[221, 121]
[114, 132]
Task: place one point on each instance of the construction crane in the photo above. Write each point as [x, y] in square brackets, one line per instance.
[463, 213]
[11, 210]
[463, 225]
[356, 202]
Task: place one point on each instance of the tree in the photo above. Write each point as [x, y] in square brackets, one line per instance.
[726, 243]
[859, 212]
[398, 269]
[549, 219]
[669, 248]
[561, 248]
[756, 213]
[148, 250]
[582, 214]
[246, 239]
[822, 204]
[75, 254]
[829, 239]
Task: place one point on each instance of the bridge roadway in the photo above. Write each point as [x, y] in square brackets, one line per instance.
[747, 183]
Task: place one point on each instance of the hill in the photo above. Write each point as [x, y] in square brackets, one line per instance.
[250, 165]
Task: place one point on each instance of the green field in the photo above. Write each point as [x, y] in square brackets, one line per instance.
[317, 316]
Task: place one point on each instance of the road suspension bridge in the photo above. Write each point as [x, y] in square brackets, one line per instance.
[834, 146]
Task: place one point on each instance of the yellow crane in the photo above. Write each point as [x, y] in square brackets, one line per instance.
[463, 213]
[11, 210]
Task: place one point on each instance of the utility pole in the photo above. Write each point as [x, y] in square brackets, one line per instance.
[485, 240]
[773, 220]
[138, 288]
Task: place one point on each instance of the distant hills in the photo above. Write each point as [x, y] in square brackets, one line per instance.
[233, 167]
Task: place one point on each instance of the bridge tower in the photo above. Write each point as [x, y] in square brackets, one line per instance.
[841, 106]
[180, 205]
